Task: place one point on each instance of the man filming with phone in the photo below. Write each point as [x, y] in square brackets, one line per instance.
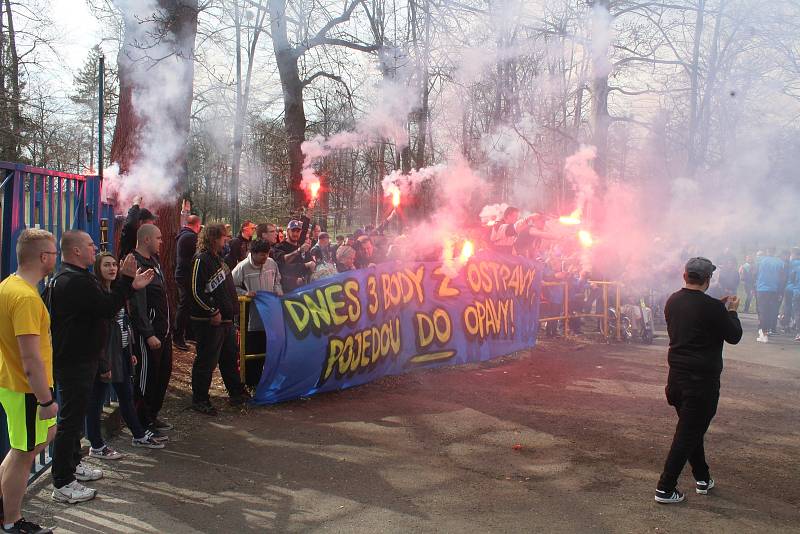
[698, 325]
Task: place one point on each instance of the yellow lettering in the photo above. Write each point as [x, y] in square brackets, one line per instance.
[332, 293]
[351, 292]
[317, 308]
[440, 317]
[335, 348]
[298, 313]
[425, 329]
[372, 296]
[443, 290]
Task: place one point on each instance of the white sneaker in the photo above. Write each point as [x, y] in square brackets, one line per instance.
[762, 337]
[84, 473]
[74, 492]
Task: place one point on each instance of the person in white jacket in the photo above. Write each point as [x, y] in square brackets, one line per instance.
[257, 272]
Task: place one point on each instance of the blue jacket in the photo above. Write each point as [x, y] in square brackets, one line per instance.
[793, 279]
[770, 271]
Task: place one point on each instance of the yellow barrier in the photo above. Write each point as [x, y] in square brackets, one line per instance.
[243, 355]
[604, 315]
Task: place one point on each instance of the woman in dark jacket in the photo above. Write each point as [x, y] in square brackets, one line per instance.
[116, 364]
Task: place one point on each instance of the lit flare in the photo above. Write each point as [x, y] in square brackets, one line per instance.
[585, 238]
[467, 250]
[313, 188]
[573, 219]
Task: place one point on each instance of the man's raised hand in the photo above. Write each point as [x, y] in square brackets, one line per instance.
[142, 278]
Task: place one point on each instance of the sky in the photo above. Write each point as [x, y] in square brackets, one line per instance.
[78, 31]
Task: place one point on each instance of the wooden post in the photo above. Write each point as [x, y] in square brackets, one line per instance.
[242, 336]
[619, 313]
[605, 310]
[566, 309]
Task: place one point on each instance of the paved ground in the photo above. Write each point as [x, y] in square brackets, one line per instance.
[434, 451]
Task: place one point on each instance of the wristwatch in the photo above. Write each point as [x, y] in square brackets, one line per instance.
[46, 404]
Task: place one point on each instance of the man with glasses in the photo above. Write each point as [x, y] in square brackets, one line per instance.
[80, 308]
[289, 255]
[26, 372]
[267, 232]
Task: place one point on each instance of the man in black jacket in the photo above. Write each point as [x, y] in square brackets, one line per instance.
[136, 218]
[185, 249]
[80, 308]
[150, 319]
[240, 244]
[289, 255]
[214, 307]
[698, 325]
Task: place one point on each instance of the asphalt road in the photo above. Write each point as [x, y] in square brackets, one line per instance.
[435, 452]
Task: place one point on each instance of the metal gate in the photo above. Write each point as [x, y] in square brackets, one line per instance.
[31, 197]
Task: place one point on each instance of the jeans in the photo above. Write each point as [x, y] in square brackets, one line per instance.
[74, 394]
[216, 345]
[124, 393]
[695, 399]
[767, 305]
[151, 378]
[182, 330]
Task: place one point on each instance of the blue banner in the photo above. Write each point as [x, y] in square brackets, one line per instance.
[358, 326]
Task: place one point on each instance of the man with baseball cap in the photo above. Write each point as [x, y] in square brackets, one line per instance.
[697, 325]
[290, 257]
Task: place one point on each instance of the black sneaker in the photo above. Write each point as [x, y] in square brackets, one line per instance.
[181, 345]
[26, 527]
[205, 408]
[702, 486]
[669, 497]
[162, 425]
[241, 398]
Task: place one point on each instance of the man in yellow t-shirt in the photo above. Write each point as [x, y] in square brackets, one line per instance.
[26, 372]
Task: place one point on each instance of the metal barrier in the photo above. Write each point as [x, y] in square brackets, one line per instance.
[31, 197]
[604, 316]
[244, 303]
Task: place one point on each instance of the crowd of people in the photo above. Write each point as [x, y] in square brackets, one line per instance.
[768, 283]
[112, 327]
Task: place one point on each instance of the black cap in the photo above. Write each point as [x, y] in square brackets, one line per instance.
[701, 267]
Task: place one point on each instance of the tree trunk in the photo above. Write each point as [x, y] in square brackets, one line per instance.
[294, 113]
[600, 116]
[694, 92]
[242, 101]
[125, 149]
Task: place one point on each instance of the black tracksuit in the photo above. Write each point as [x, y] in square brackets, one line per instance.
[80, 309]
[213, 291]
[698, 325]
[185, 248]
[127, 236]
[150, 317]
